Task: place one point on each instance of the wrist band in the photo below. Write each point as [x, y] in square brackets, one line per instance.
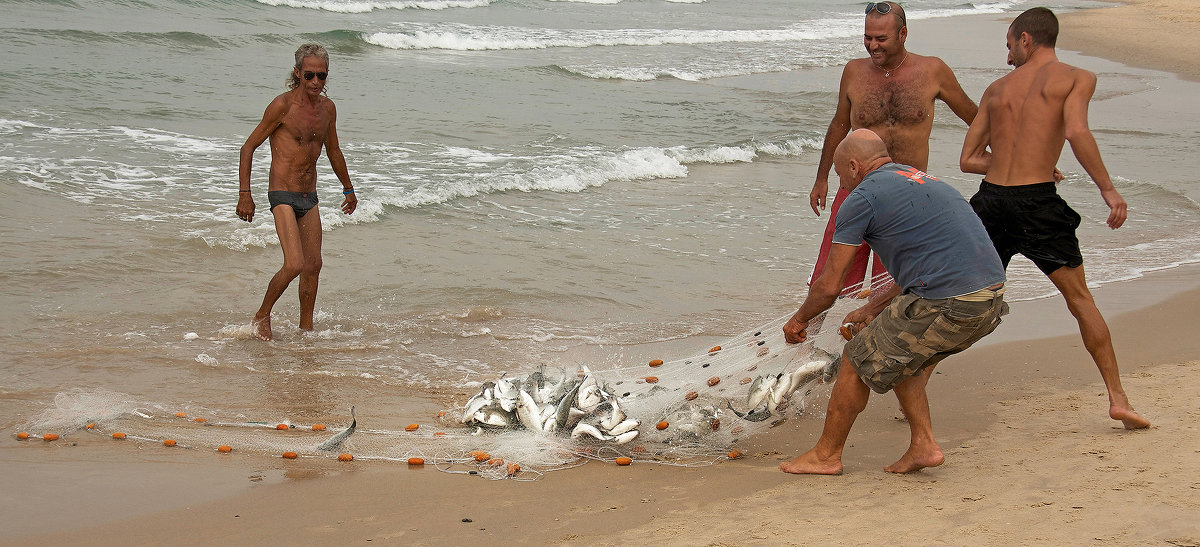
[347, 192]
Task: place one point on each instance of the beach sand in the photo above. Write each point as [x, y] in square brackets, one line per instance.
[1031, 458]
[1158, 34]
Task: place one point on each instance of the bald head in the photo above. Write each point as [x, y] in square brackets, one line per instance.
[861, 152]
[862, 145]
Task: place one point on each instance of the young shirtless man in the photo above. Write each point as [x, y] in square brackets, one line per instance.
[299, 123]
[892, 93]
[1026, 117]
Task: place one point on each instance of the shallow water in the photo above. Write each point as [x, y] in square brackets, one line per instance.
[541, 182]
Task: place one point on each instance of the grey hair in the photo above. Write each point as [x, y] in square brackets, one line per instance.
[306, 50]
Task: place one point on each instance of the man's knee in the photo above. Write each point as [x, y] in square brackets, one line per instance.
[291, 268]
[311, 267]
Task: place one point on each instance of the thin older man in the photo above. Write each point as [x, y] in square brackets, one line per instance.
[948, 294]
[890, 92]
[299, 124]
[1026, 118]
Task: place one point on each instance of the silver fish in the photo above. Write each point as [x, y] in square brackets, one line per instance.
[590, 396]
[563, 413]
[611, 416]
[527, 412]
[760, 390]
[494, 417]
[336, 440]
[625, 427]
[590, 430]
[756, 415]
[625, 437]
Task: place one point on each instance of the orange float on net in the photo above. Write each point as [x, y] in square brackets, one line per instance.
[745, 381]
[715, 349]
[864, 293]
[846, 332]
[22, 435]
[624, 461]
[91, 426]
[651, 379]
[691, 396]
[290, 455]
[181, 414]
[482, 456]
[662, 425]
[715, 424]
[440, 434]
[318, 427]
[713, 381]
[638, 449]
[281, 427]
[513, 469]
[224, 449]
[441, 413]
[656, 363]
[119, 435]
[347, 457]
[735, 454]
[416, 461]
[199, 420]
[495, 461]
[169, 442]
[50, 437]
[412, 427]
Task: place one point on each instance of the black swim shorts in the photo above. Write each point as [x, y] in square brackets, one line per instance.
[300, 202]
[1031, 220]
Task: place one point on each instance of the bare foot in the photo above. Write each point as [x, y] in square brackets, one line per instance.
[917, 459]
[262, 328]
[1131, 419]
[809, 464]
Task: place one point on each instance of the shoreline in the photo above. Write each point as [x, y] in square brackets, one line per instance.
[978, 400]
[1119, 33]
[1030, 457]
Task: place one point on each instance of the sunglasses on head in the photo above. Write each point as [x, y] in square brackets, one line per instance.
[883, 8]
[308, 75]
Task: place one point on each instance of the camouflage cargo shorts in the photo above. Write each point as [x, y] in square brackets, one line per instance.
[914, 333]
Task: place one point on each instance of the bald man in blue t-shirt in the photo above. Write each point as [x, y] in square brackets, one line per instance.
[948, 294]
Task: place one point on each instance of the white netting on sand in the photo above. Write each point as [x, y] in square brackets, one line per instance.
[689, 411]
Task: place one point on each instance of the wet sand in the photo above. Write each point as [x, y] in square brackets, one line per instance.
[1031, 457]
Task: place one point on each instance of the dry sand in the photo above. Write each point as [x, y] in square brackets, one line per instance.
[1158, 34]
[1031, 458]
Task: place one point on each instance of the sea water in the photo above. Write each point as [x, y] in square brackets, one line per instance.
[539, 182]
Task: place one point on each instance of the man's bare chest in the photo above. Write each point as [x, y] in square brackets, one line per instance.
[304, 126]
[891, 103]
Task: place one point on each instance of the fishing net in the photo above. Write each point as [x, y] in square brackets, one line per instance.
[688, 411]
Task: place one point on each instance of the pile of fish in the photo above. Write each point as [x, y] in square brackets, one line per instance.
[548, 403]
[580, 405]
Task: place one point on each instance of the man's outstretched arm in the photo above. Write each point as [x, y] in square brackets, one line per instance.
[1083, 145]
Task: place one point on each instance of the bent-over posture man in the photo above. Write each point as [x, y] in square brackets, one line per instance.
[892, 93]
[299, 123]
[1026, 117]
[952, 283]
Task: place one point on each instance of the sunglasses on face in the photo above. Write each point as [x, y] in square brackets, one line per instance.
[883, 8]
[308, 75]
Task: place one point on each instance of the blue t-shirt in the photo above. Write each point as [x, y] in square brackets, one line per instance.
[923, 230]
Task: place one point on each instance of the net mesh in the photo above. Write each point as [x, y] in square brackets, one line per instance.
[689, 411]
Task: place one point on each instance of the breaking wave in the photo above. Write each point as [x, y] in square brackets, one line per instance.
[366, 6]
